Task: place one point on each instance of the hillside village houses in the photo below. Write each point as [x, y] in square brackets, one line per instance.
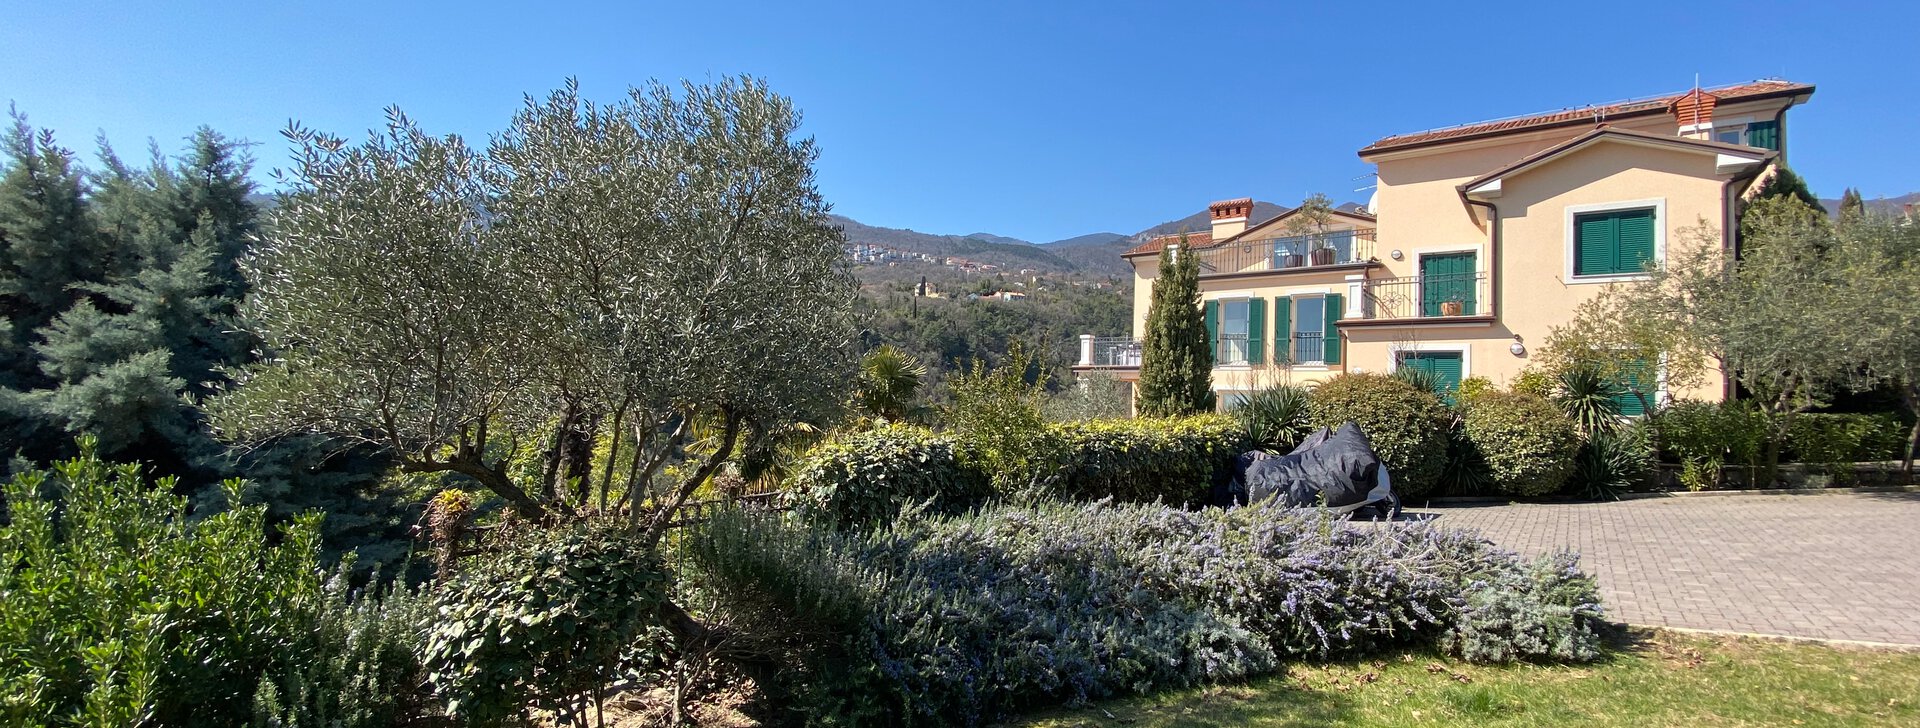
[1478, 240]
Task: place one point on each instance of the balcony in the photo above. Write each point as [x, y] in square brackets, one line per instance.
[1463, 296]
[1337, 247]
[1108, 352]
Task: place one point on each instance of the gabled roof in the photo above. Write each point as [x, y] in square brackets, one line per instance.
[1731, 157]
[1753, 91]
[1205, 239]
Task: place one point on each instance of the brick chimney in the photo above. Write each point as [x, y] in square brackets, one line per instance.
[1230, 217]
[1694, 112]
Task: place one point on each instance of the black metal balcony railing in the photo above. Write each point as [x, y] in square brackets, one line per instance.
[1230, 349]
[1437, 296]
[1302, 251]
[1115, 352]
[1307, 348]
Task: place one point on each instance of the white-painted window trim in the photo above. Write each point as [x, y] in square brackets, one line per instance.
[1464, 350]
[1659, 205]
[1293, 315]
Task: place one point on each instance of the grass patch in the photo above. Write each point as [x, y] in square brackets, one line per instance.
[1654, 679]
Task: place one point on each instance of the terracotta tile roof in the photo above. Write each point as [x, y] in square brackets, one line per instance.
[1155, 243]
[1586, 115]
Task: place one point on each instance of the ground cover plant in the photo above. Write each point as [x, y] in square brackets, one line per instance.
[1659, 678]
[961, 621]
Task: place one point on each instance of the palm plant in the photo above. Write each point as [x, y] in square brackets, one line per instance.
[889, 381]
[1590, 398]
[1275, 418]
[1422, 379]
[1611, 462]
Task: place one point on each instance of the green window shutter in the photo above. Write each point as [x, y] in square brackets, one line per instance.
[1635, 247]
[1282, 330]
[1330, 337]
[1613, 243]
[1640, 379]
[1210, 311]
[1596, 247]
[1764, 134]
[1256, 329]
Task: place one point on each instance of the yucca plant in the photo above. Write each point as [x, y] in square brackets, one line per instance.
[1610, 463]
[1275, 418]
[1422, 379]
[1589, 398]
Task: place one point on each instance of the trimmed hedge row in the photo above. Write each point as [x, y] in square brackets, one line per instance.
[1144, 460]
[1528, 446]
[865, 477]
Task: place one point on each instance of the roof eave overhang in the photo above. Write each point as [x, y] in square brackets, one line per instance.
[1727, 159]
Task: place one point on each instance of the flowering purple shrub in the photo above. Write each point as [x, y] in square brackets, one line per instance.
[943, 621]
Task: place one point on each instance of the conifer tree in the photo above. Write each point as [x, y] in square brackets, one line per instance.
[1852, 205]
[48, 244]
[1176, 361]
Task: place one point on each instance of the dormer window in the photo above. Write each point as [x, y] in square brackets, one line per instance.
[1762, 134]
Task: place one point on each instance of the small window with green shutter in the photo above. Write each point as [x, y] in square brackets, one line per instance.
[1764, 134]
[1614, 242]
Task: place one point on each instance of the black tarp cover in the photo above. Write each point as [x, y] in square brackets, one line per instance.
[1336, 468]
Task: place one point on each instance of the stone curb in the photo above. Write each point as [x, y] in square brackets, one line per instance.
[1490, 500]
[1864, 644]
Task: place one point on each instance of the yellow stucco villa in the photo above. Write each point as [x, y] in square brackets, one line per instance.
[1478, 240]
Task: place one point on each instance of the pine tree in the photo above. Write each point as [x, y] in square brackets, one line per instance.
[1176, 361]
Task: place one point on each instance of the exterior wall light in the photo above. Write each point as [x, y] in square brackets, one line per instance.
[1518, 349]
[1396, 254]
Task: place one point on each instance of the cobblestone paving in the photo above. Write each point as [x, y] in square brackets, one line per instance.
[1829, 566]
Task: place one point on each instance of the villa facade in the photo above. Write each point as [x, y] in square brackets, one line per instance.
[1478, 241]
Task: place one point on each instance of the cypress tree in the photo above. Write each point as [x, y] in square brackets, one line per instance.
[1852, 205]
[1176, 360]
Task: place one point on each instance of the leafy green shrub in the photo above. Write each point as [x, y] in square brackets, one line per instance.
[996, 416]
[552, 615]
[1705, 436]
[1527, 444]
[121, 609]
[864, 478]
[1611, 463]
[1835, 439]
[1407, 425]
[358, 666]
[1466, 471]
[960, 621]
[1275, 418]
[1093, 396]
[1533, 381]
[1472, 387]
[1173, 460]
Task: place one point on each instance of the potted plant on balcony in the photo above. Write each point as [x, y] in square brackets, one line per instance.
[1310, 222]
[1452, 307]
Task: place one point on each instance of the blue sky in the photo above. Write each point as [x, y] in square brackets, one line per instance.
[1035, 120]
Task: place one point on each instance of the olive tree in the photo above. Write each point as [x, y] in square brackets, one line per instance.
[664, 265]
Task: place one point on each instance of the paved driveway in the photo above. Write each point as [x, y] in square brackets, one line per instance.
[1831, 566]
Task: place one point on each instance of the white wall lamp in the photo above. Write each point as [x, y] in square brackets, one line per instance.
[1396, 254]
[1518, 348]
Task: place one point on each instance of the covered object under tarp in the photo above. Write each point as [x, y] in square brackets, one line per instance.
[1332, 468]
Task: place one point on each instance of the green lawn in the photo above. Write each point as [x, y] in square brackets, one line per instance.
[1658, 679]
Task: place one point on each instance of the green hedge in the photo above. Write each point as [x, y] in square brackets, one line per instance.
[865, 477]
[1527, 444]
[1845, 438]
[1407, 426]
[1144, 460]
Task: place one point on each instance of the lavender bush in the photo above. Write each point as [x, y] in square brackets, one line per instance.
[961, 621]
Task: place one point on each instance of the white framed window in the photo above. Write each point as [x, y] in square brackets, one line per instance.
[1733, 134]
[1235, 315]
[1607, 242]
[1309, 330]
